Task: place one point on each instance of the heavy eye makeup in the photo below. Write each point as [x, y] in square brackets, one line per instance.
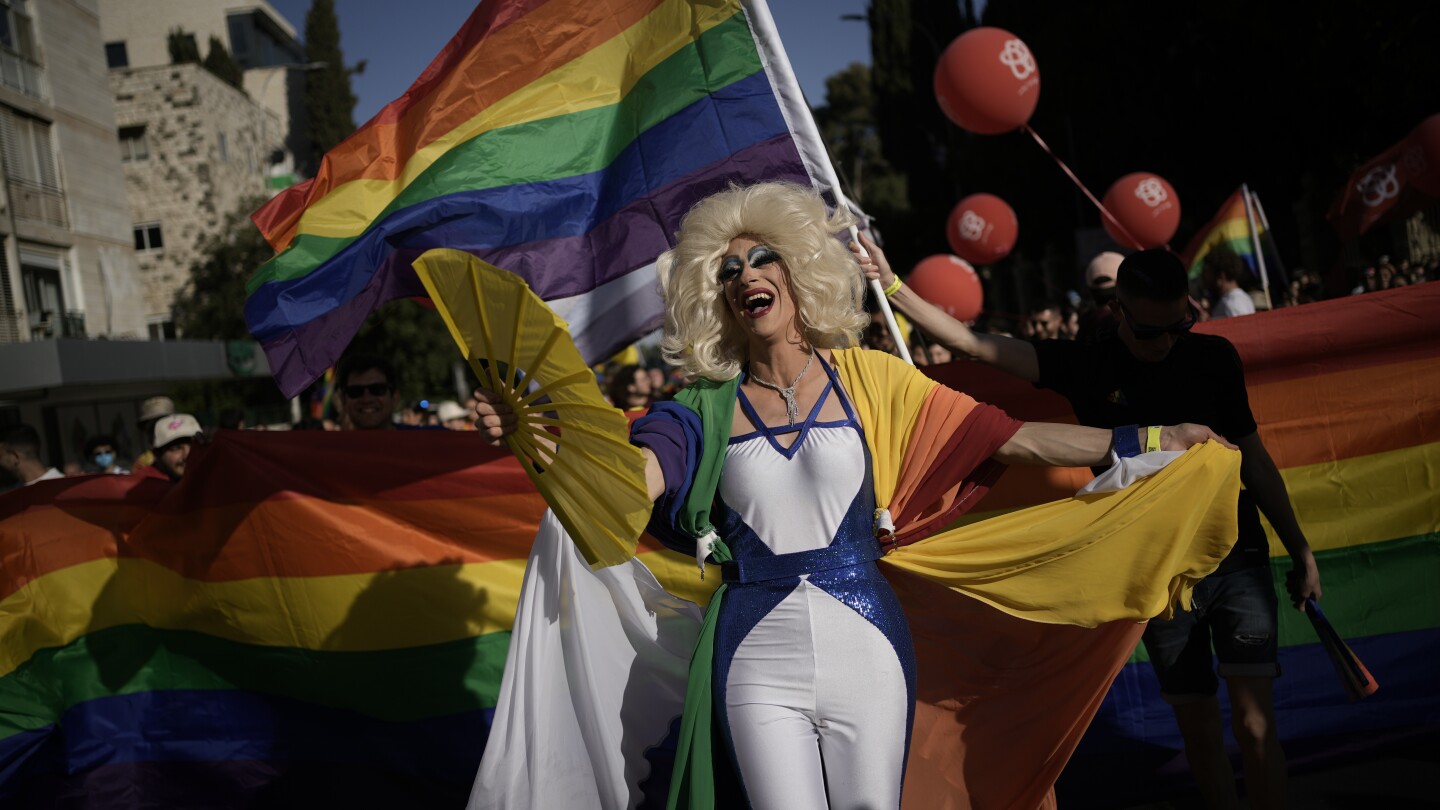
[730, 268]
[761, 255]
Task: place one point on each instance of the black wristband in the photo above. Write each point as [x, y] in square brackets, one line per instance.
[1125, 441]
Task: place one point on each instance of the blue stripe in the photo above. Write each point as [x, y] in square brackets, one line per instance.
[1132, 753]
[235, 725]
[725, 122]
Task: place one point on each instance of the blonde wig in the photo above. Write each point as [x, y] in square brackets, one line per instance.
[701, 334]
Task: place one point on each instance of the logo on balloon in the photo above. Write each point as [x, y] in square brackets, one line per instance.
[1018, 58]
[1378, 185]
[972, 226]
[1151, 192]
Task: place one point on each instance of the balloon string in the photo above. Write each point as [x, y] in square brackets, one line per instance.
[1103, 210]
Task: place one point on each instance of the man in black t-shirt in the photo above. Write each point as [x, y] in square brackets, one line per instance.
[1150, 369]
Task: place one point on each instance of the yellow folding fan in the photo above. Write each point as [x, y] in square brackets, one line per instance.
[571, 442]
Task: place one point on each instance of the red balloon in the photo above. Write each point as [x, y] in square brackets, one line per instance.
[982, 229]
[1420, 159]
[987, 81]
[949, 283]
[1146, 205]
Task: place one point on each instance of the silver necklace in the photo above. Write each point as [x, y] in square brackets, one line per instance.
[792, 411]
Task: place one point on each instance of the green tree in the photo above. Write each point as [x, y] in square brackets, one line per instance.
[329, 101]
[219, 62]
[847, 125]
[183, 48]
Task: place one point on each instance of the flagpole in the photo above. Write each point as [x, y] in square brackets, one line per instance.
[800, 120]
[1255, 242]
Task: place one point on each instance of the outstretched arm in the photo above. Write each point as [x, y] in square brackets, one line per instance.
[495, 420]
[1262, 478]
[1056, 445]
[1007, 354]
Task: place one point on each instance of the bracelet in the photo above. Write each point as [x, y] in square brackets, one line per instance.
[1125, 441]
[1152, 438]
[893, 288]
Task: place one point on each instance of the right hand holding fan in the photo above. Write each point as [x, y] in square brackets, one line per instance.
[493, 417]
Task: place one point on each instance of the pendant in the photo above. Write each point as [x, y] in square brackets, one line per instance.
[792, 411]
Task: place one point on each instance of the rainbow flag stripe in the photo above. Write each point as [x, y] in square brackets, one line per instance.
[560, 140]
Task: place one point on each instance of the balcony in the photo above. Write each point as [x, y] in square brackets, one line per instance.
[70, 324]
[19, 73]
[38, 203]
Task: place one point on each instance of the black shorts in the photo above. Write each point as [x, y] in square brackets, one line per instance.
[1237, 612]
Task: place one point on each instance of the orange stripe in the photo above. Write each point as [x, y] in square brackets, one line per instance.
[1330, 417]
[527, 49]
[295, 537]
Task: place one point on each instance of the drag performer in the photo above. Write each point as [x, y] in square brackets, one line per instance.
[796, 462]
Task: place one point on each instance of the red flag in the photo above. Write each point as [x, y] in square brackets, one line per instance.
[1397, 182]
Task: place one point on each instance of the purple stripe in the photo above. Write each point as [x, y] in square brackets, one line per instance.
[644, 229]
[635, 236]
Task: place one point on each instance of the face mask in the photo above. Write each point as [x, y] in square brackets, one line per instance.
[104, 460]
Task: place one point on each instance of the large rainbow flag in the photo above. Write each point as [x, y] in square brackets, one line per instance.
[561, 140]
[318, 619]
[1347, 396]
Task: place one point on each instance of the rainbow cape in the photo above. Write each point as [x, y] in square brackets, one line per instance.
[561, 140]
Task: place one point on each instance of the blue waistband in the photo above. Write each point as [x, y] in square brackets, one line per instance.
[790, 566]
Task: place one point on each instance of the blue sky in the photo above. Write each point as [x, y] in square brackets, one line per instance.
[397, 46]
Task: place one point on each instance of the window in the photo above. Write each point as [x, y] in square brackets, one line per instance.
[161, 329]
[148, 238]
[116, 55]
[224, 148]
[25, 143]
[40, 277]
[16, 34]
[133, 144]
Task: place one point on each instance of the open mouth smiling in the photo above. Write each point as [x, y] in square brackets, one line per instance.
[757, 303]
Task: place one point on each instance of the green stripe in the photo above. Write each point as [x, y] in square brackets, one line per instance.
[396, 685]
[563, 146]
[1369, 590]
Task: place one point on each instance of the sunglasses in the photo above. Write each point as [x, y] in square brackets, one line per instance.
[373, 389]
[1180, 327]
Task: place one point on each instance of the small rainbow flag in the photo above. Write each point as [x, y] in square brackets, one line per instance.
[561, 140]
[1231, 228]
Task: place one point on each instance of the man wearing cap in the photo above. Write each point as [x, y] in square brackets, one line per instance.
[173, 437]
[1100, 286]
[151, 411]
[454, 417]
[368, 392]
[1150, 369]
[20, 456]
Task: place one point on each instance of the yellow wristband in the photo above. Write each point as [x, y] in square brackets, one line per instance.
[893, 288]
[1152, 438]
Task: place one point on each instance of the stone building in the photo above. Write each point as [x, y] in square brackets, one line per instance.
[195, 149]
[67, 264]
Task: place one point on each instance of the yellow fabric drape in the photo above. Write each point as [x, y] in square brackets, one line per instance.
[1084, 561]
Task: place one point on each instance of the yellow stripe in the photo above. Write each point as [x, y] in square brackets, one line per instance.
[889, 422]
[599, 78]
[1348, 503]
[408, 607]
[1365, 499]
